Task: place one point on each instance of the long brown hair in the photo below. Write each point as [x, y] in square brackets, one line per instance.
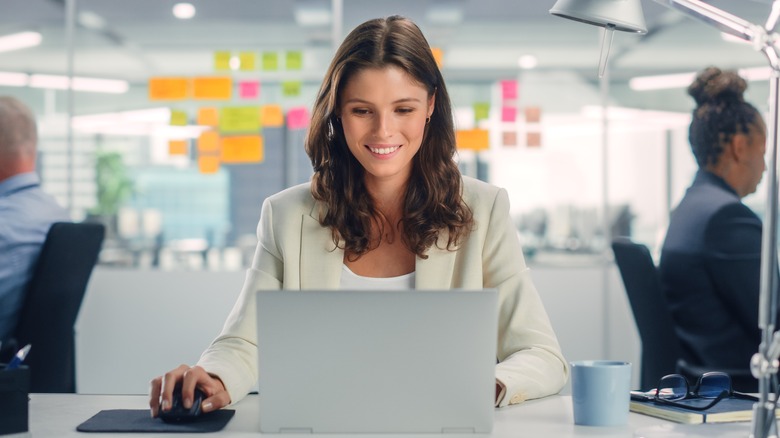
[433, 200]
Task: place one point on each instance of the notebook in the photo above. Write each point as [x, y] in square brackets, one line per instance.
[408, 361]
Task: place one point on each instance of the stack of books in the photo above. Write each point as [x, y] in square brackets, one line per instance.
[727, 410]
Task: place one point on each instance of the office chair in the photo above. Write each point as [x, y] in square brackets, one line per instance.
[52, 301]
[661, 348]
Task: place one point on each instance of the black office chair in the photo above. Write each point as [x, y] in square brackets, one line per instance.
[52, 303]
[661, 348]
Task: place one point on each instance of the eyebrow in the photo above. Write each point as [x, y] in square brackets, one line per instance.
[404, 100]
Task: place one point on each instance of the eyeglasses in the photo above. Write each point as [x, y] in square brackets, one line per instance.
[714, 385]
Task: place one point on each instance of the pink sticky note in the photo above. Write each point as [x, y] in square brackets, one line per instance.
[297, 118]
[509, 89]
[249, 89]
[508, 114]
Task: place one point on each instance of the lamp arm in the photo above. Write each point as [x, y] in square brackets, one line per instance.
[774, 15]
[722, 20]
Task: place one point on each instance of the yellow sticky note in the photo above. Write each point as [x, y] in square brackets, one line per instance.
[272, 115]
[178, 118]
[208, 164]
[270, 61]
[481, 111]
[234, 119]
[208, 143]
[212, 87]
[168, 88]
[291, 88]
[208, 116]
[222, 60]
[438, 55]
[473, 139]
[294, 60]
[177, 147]
[247, 61]
[242, 149]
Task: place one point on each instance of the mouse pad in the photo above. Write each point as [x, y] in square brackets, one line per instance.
[139, 420]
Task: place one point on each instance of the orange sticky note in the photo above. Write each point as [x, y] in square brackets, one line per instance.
[271, 115]
[208, 116]
[168, 88]
[208, 143]
[212, 87]
[472, 139]
[242, 149]
[533, 139]
[208, 164]
[177, 147]
[438, 55]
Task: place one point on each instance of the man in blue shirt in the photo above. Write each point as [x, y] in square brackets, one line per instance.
[26, 212]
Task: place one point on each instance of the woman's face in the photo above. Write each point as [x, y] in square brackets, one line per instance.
[383, 114]
[756, 165]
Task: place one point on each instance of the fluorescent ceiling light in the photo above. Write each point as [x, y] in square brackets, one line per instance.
[183, 11]
[91, 20]
[312, 13]
[11, 79]
[96, 85]
[18, 41]
[527, 62]
[683, 80]
[146, 122]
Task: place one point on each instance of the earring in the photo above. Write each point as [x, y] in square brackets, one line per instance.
[427, 119]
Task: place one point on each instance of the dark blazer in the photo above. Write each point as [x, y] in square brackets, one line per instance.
[710, 270]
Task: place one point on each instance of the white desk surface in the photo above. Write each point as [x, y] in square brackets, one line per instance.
[57, 415]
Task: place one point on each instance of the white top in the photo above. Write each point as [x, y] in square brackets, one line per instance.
[352, 281]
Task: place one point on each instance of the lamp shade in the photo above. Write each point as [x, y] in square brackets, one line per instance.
[623, 15]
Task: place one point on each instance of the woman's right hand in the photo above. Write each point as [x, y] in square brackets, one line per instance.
[161, 392]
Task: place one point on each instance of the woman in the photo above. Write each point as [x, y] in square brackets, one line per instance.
[711, 257]
[386, 208]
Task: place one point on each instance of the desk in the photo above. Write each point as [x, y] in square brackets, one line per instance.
[57, 415]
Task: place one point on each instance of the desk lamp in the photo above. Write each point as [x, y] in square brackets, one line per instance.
[613, 15]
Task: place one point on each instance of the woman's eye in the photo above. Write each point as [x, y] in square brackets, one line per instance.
[405, 110]
[360, 111]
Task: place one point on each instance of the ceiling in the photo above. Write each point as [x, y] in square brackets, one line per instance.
[481, 40]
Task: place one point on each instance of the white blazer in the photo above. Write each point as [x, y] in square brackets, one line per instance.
[295, 252]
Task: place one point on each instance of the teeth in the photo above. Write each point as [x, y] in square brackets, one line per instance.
[384, 151]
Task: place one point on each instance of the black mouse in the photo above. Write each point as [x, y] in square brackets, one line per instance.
[178, 413]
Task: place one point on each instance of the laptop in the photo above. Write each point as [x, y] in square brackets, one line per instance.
[368, 361]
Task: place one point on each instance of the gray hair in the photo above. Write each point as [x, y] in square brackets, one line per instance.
[18, 132]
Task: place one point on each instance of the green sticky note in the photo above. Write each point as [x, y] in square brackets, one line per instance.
[239, 119]
[270, 61]
[248, 61]
[294, 60]
[222, 60]
[481, 111]
[178, 118]
[291, 88]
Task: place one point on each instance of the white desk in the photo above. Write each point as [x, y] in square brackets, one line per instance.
[57, 415]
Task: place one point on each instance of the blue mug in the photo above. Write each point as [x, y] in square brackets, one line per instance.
[600, 392]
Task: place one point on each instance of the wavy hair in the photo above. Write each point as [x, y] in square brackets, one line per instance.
[433, 200]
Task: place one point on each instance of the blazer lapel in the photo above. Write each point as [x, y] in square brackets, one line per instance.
[320, 263]
[436, 271]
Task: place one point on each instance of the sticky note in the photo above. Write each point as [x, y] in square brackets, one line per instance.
[438, 55]
[294, 60]
[208, 164]
[239, 119]
[270, 61]
[291, 88]
[222, 60]
[509, 138]
[208, 116]
[508, 114]
[533, 139]
[168, 88]
[247, 61]
[472, 139]
[242, 149]
[533, 114]
[271, 115]
[178, 118]
[249, 89]
[208, 143]
[212, 87]
[297, 118]
[509, 89]
[177, 147]
[481, 111]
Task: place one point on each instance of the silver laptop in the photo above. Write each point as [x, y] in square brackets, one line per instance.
[377, 361]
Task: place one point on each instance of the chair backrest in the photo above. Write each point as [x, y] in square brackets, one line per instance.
[660, 344]
[52, 303]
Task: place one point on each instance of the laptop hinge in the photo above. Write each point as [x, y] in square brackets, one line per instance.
[296, 430]
[458, 430]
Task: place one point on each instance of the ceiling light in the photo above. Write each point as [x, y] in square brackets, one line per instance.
[91, 20]
[183, 11]
[527, 62]
[312, 13]
[79, 84]
[12, 79]
[20, 40]
[683, 80]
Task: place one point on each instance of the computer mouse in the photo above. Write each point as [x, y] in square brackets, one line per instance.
[178, 413]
